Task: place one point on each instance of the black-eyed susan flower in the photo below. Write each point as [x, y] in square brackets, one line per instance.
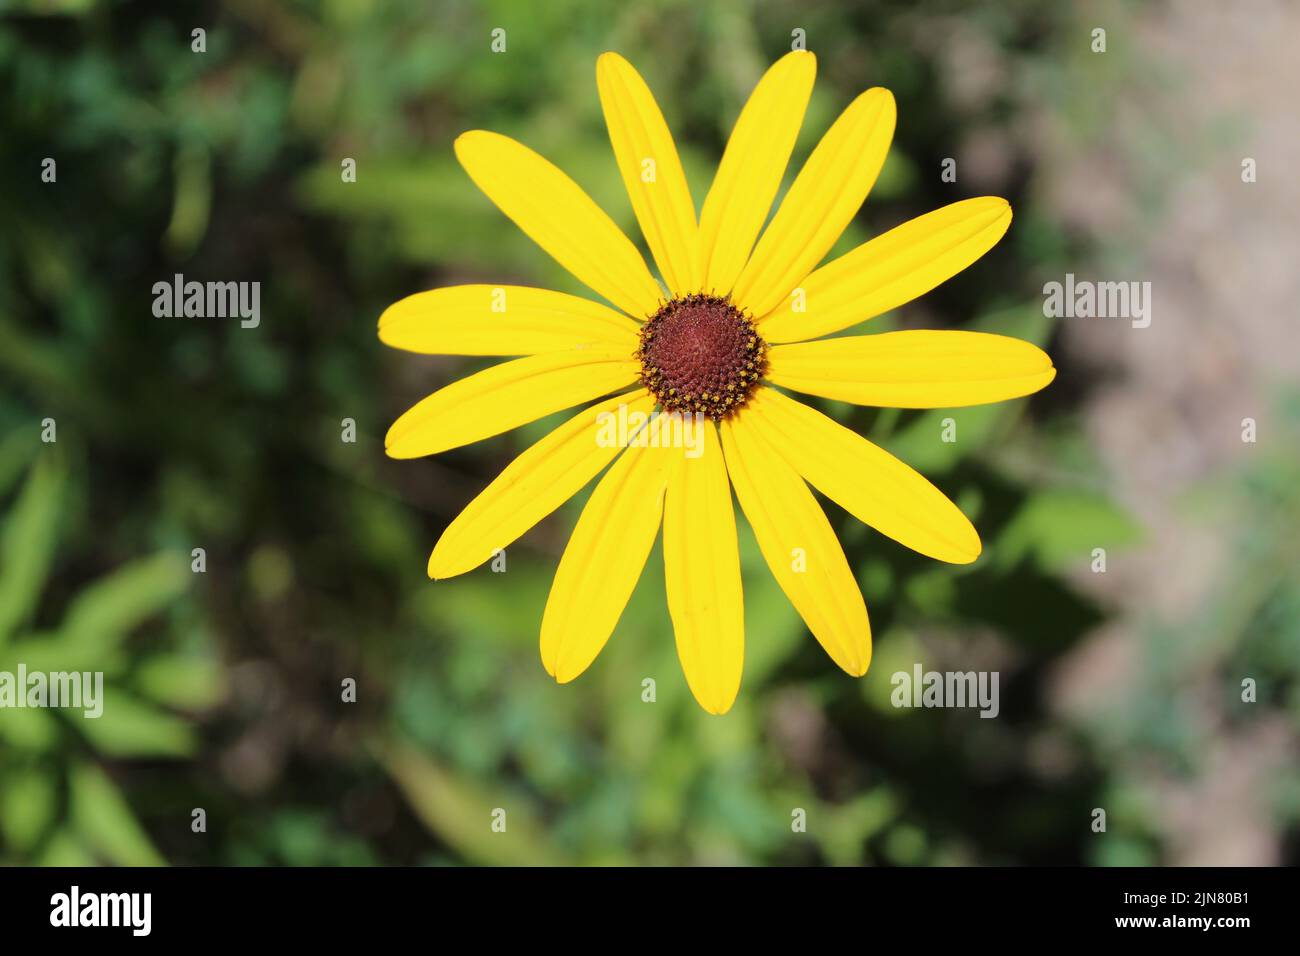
[738, 318]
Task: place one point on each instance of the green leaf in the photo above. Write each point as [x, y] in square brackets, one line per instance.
[27, 803]
[106, 611]
[29, 729]
[934, 589]
[182, 681]
[1059, 528]
[42, 652]
[131, 728]
[28, 540]
[930, 443]
[64, 849]
[847, 826]
[102, 817]
[1019, 322]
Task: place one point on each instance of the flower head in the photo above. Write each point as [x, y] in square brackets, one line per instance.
[739, 316]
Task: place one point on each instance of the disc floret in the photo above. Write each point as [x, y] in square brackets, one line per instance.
[700, 353]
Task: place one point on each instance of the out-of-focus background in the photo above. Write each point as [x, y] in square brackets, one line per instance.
[1121, 690]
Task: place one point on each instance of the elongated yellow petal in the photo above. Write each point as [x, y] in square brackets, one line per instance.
[557, 215]
[906, 262]
[702, 575]
[919, 369]
[502, 320]
[652, 172]
[865, 480]
[506, 396]
[823, 199]
[603, 560]
[799, 545]
[536, 483]
[751, 169]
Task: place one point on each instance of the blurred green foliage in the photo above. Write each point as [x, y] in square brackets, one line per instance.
[196, 433]
[56, 804]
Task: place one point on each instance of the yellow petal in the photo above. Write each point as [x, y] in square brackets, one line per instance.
[506, 396]
[535, 484]
[557, 215]
[863, 479]
[501, 320]
[603, 560]
[702, 575]
[751, 168]
[823, 199]
[799, 545]
[920, 369]
[651, 170]
[906, 262]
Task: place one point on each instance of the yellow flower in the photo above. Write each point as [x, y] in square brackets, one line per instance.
[738, 316]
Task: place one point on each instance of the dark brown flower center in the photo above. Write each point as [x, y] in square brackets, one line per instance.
[700, 353]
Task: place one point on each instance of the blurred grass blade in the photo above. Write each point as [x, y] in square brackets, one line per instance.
[101, 815]
[192, 204]
[459, 813]
[28, 540]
